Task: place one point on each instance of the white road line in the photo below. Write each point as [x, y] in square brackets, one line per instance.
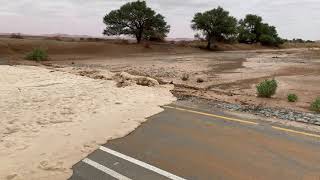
[105, 169]
[142, 164]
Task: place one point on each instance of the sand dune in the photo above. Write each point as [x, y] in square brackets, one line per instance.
[50, 120]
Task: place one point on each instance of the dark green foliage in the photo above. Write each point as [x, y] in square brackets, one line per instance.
[37, 54]
[315, 106]
[214, 25]
[267, 88]
[138, 20]
[299, 40]
[292, 98]
[267, 40]
[245, 36]
[252, 30]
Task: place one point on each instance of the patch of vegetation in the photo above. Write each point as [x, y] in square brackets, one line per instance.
[267, 88]
[200, 80]
[315, 106]
[16, 36]
[292, 98]
[37, 54]
[299, 40]
[216, 24]
[138, 20]
[252, 29]
[267, 40]
[185, 77]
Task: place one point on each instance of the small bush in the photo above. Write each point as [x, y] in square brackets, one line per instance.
[267, 88]
[292, 98]
[315, 106]
[37, 54]
[16, 36]
[55, 38]
[185, 77]
[200, 80]
[267, 40]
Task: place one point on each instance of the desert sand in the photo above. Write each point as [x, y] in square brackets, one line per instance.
[52, 119]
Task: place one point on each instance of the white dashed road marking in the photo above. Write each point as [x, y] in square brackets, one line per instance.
[105, 169]
[142, 164]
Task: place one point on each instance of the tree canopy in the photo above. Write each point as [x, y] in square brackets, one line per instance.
[252, 30]
[215, 24]
[138, 20]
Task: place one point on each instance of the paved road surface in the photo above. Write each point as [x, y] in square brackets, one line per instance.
[186, 143]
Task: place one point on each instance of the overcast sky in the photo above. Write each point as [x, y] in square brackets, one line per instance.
[293, 18]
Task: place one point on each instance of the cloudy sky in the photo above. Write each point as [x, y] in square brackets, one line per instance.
[293, 18]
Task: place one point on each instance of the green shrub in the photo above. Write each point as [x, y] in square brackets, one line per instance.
[37, 54]
[292, 98]
[267, 88]
[267, 40]
[315, 106]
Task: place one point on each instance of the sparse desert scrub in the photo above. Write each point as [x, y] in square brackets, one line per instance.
[55, 38]
[292, 98]
[200, 80]
[315, 105]
[185, 77]
[267, 88]
[37, 54]
[16, 36]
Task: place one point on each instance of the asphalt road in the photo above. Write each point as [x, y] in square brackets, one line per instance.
[188, 143]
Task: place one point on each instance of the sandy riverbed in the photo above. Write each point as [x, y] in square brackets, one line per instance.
[51, 119]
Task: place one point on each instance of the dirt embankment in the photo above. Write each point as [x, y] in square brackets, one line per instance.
[16, 49]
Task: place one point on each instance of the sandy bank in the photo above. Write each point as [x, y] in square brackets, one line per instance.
[50, 120]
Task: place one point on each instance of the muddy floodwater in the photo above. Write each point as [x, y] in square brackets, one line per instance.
[228, 76]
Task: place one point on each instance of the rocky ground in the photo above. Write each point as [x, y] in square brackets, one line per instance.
[267, 112]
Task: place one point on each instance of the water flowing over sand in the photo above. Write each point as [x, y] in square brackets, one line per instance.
[49, 120]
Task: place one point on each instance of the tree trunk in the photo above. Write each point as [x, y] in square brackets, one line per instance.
[139, 36]
[209, 43]
[139, 39]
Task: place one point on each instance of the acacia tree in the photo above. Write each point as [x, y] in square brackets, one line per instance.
[136, 19]
[252, 30]
[214, 24]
